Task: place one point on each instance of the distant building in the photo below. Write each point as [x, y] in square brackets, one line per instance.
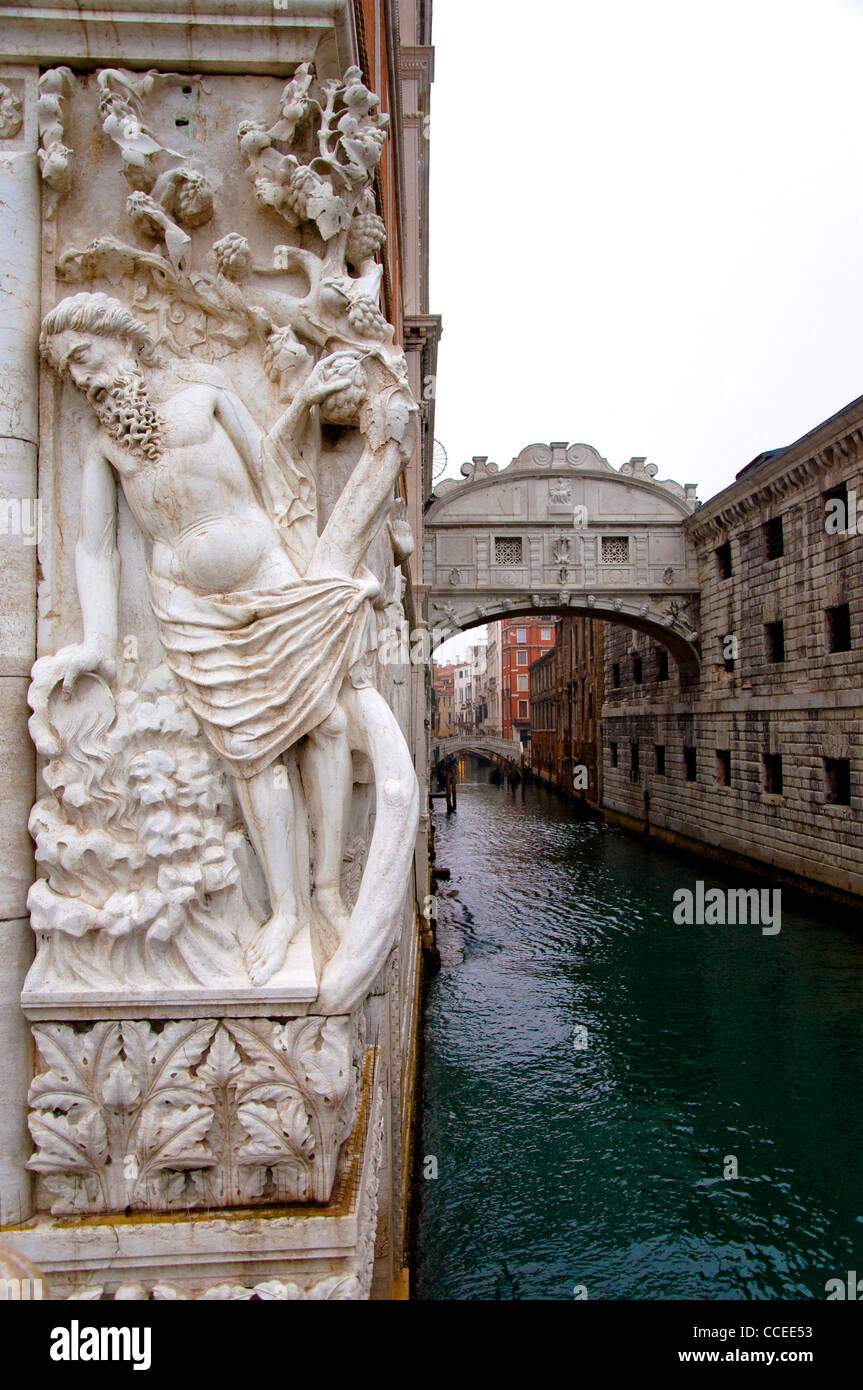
[522, 641]
[443, 688]
[566, 705]
[463, 698]
[479, 684]
[494, 684]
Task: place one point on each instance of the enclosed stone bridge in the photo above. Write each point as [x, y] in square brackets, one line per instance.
[479, 745]
[562, 531]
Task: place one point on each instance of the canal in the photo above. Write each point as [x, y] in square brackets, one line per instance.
[591, 1069]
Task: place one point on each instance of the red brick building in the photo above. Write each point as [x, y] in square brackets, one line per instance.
[522, 641]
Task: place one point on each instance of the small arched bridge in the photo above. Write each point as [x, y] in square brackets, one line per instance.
[480, 745]
[561, 531]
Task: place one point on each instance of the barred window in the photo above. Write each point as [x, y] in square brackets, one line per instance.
[507, 551]
[615, 550]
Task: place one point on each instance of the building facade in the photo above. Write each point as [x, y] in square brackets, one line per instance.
[760, 760]
[567, 686]
[522, 641]
[443, 688]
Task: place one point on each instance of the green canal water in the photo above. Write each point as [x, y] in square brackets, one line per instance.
[597, 1158]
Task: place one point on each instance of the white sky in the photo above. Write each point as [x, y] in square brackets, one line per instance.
[646, 227]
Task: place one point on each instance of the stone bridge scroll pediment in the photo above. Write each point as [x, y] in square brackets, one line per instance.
[543, 481]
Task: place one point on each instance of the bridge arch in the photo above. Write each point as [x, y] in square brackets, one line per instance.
[479, 744]
[562, 532]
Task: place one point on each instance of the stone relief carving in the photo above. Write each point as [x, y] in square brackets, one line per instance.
[199, 1113]
[560, 493]
[336, 1287]
[262, 500]
[54, 158]
[11, 115]
[137, 842]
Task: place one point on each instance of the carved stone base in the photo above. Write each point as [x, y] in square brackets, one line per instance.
[216, 1255]
[200, 1113]
[288, 993]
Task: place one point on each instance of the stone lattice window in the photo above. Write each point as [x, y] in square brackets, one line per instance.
[615, 550]
[507, 551]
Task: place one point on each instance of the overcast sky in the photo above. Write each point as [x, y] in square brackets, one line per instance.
[646, 226]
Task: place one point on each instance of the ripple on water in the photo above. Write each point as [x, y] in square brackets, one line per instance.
[603, 1165]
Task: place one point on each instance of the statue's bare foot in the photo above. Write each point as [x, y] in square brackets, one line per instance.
[330, 904]
[267, 952]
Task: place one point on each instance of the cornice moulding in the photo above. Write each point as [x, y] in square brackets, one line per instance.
[417, 61]
[248, 36]
[833, 442]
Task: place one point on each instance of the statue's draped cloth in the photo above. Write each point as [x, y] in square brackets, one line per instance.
[261, 669]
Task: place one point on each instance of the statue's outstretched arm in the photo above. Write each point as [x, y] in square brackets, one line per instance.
[365, 501]
[97, 572]
[97, 560]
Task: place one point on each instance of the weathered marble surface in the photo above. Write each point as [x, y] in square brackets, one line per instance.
[218, 688]
[228, 809]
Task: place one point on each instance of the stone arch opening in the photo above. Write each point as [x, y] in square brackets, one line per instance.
[685, 651]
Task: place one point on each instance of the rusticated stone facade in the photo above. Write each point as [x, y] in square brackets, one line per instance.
[761, 759]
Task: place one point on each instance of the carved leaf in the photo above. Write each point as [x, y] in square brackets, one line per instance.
[276, 1135]
[259, 1039]
[330, 212]
[78, 1064]
[121, 1091]
[162, 1061]
[65, 1144]
[170, 1137]
[223, 1061]
[340, 1286]
[327, 1069]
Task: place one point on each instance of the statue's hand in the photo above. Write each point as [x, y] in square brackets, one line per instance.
[369, 588]
[331, 374]
[48, 672]
[70, 663]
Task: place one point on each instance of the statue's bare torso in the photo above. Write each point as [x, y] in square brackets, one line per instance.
[197, 503]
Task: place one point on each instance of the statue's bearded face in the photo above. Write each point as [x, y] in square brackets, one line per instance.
[108, 374]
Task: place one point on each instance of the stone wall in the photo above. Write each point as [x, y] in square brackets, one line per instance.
[168, 148]
[747, 710]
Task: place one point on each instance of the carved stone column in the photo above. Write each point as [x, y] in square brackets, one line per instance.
[227, 807]
[19, 526]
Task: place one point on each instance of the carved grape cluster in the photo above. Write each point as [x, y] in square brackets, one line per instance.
[366, 237]
[366, 319]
